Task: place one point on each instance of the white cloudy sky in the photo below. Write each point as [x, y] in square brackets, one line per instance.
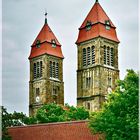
[22, 21]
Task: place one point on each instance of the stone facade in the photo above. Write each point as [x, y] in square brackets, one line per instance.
[95, 80]
[51, 90]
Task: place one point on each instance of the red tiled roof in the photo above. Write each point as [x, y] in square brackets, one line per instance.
[96, 14]
[46, 48]
[45, 38]
[54, 131]
[46, 34]
[97, 18]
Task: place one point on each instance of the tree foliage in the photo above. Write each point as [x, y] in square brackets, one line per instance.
[50, 113]
[10, 119]
[118, 119]
[46, 114]
[56, 113]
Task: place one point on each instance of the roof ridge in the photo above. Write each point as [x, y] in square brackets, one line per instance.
[106, 15]
[98, 17]
[97, 12]
[48, 124]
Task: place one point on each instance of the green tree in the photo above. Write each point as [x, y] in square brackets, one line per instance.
[118, 119]
[29, 120]
[50, 113]
[56, 113]
[75, 113]
[9, 120]
[4, 114]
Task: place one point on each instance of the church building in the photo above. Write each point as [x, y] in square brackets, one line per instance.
[97, 70]
[46, 70]
[97, 49]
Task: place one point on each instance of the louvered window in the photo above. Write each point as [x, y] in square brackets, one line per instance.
[37, 70]
[105, 55]
[57, 70]
[53, 73]
[40, 68]
[34, 69]
[112, 56]
[93, 54]
[54, 69]
[84, 57]
[50, 68]
[88, 56]
[108, 56]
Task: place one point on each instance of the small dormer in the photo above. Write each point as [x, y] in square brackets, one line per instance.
[53, 42]
[88, 25]
[38, 44]
[107, 24]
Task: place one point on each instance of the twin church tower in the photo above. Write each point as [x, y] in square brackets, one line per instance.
[97, 70]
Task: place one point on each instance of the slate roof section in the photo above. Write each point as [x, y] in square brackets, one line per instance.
[77, 130]
[97, 17]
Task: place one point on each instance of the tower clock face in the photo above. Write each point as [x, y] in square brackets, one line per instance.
[37, 99]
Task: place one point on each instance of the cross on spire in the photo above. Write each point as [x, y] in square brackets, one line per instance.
[46, 17]
[97, 1]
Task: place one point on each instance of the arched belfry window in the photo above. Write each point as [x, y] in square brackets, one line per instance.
[53, 71]
[112, 56]
[37, 70]
[93, 54]
[88, 56]
[84, 57]
[40, 68]
[50, 68]
[57, 70]
[34, 69]
[105, 54]
[108, 56]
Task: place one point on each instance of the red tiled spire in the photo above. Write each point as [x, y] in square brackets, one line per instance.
[97, 18]
[46, 38]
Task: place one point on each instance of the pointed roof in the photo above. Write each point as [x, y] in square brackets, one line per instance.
[97, 19]
[46, 39]
[96, 15]
[46, 34]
